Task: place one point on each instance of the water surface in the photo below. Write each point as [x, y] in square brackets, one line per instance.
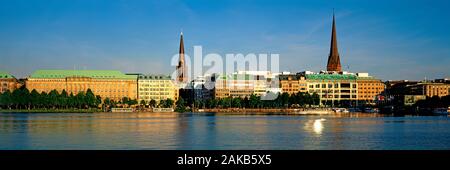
[220, 131]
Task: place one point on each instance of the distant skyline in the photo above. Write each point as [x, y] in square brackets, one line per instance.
[388, 39]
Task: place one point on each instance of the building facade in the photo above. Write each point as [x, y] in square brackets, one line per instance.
[292, 83]
[156, 87]
[369, 88]
[430, 89]
[8, 82]
[106, 83]
[333, 88]
[246, 83]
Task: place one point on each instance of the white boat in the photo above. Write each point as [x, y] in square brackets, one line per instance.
[340, 110]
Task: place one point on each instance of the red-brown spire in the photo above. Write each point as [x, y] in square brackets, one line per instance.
[334, 61]
[181, 67]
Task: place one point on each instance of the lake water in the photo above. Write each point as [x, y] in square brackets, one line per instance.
[220, 131]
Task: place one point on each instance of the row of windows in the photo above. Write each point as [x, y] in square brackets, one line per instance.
[332, 91]
[83, 85]
[331, 86]
[339, 96]
[158, 89]
[161, 93]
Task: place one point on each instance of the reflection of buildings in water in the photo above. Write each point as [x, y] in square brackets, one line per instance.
[246, 131]
[121, 131]
[10, 124]
[195, 131]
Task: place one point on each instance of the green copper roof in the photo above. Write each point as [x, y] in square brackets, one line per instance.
[330, 77]
[98, 74]
[5, 75]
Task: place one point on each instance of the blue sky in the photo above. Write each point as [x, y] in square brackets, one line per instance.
[389, 39]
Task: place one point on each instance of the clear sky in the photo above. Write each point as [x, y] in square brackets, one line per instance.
[402, 39]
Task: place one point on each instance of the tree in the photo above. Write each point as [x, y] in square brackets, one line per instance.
[236, 102]
[80, 100]
[143, 103]
[6, 99]
[34, 97]
[125, 100]
[90, 99]
[254, 101]
[98, 100]
[169, 103]
[53, 98]
[180, 105]
[152, 103]
[107, 102]
[64, 99]
[315, 99]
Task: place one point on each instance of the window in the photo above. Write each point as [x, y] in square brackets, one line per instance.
[345, 85]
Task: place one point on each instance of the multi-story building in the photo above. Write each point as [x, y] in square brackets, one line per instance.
[198, 89]
[369, 88]
[430, 89]
[245, 83]
[292, 83]
[333, 88]
[156, 87]
[106, 83]
[8, 82]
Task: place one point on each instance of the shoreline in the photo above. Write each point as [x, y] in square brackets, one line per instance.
[50, 111]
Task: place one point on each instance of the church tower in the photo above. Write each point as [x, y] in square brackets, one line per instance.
[181, 67]
[334, 61]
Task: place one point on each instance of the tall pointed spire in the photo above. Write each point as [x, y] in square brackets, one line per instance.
[334, 61]
[181, 67]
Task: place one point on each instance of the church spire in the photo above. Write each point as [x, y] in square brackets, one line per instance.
[181, 67]
[334, 63]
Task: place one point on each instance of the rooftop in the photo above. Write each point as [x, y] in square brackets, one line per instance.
[97, 74]
[330, 77]
[5, 75]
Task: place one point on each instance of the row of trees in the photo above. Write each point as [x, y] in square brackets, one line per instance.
[165, 103]
[22, 98]
[283, 100]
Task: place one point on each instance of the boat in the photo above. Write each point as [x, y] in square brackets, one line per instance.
[340, 110]
[441, 111]
[354, 110]
[371, 110]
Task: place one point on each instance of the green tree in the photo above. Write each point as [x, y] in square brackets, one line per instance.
[90, 99]
[64, 99]
[34, 97]
[143, 103]
[80, 100]
[180, 105]
[6, 99]
[254, 101]
[152, 103]
[236, 102]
